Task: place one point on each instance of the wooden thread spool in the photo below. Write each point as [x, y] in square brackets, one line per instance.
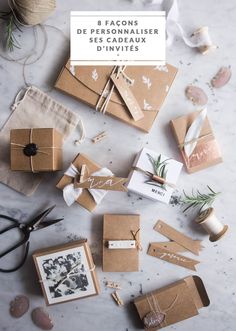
[211, 224]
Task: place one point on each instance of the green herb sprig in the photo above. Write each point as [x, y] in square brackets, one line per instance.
[198, 199]
[11, 26]
[159, 168]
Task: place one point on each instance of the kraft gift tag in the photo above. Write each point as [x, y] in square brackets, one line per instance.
[35, 110]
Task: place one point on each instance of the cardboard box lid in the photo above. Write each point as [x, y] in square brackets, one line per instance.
[152, 91]
[85, 199]
[189, 294]
[61, 248]
[118, 227]
[78, 82]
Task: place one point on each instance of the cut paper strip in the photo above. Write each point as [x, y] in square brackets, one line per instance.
[170, 256]
[193, 246]
[110, 183]
[121, 244]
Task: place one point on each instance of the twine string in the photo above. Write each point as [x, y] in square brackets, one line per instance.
[138, 243]
[155, 307]
[118, 70]
[195, 140]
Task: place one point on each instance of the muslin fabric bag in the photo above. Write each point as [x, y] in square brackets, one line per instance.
[35, 110]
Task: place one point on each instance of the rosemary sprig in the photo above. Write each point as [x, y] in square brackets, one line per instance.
[199, 199]
[159, 168]
[11, 26]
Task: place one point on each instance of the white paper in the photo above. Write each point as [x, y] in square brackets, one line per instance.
[137, 180]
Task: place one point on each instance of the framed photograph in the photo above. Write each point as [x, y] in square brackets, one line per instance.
[66, 272]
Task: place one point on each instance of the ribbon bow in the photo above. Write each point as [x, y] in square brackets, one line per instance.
[71, 193]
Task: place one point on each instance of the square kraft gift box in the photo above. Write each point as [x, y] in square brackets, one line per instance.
[171, 304]
[149, 86]
[121, 243]
[154, 175]
[206, 152]
[66, 272]
[36, 150]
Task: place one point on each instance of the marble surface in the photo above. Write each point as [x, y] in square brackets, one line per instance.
[217, 267]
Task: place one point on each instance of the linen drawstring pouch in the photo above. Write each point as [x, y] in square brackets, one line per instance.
[34, 110]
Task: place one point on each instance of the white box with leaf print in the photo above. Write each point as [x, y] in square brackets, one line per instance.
[154, 175]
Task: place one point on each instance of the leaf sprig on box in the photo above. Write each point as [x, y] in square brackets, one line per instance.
[159, 168]
[198, 199]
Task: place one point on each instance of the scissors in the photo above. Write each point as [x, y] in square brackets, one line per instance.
[36, 223]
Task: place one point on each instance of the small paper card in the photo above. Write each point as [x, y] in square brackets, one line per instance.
[128, 97]
[124, 231]
[66, 272]
[150, 164]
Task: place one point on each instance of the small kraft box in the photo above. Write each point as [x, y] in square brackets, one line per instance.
[121, 243]
[66, 272]
[196, 141]
[154, 175]
[132, 94]
[171, 304]
[87, 183]
[36, 150]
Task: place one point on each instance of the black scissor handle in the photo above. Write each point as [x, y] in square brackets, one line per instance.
[21, 263]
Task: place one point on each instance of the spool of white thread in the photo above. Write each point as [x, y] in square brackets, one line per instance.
[211, 224]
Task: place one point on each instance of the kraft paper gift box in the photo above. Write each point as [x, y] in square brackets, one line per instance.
[87, 183]
[121, 243]
[206, 153]
[66, 272]
[149, 89]
[36, 150]
[171, 304]
[155, 184]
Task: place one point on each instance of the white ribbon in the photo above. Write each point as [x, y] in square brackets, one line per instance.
[200, 38]
[193, 133]
[71, 194]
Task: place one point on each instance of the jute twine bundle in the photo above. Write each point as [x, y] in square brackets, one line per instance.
[32, 12]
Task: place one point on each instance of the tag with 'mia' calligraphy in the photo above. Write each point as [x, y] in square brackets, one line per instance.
[103, 183]
[128, 97]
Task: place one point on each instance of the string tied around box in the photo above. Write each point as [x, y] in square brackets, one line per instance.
[106, 94]
[211, 224]
[71, 193]
[157, 316]
[31, 149]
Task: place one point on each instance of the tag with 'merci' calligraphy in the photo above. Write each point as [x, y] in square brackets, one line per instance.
[103, 183]
[127, 96]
